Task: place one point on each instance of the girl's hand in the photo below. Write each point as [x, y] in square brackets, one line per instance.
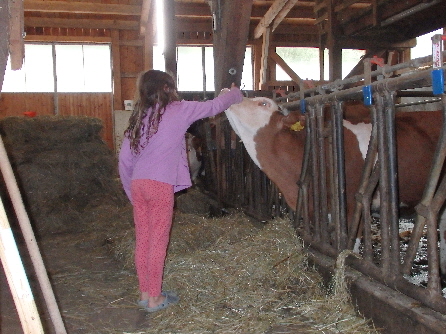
[225, 90]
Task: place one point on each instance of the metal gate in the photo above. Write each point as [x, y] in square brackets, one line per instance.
[322, 183]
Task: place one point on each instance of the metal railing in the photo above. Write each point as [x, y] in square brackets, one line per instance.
[321, 216]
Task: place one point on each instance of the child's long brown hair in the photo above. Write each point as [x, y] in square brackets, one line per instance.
[153, 87]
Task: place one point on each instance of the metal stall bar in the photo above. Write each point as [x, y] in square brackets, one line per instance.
[322, 172]
[389, 119]
[315, 172]
[428, 212]
[421, 78]
[339, 206]
[303, 184]
[383, 156]
[369, 180]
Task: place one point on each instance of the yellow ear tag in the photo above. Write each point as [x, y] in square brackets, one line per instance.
[297, 126]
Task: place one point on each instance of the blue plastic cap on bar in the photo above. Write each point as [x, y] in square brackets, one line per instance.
[303, 105]
[437, 81]
[367, 94]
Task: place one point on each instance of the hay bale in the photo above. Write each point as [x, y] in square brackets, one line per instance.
[64, 169]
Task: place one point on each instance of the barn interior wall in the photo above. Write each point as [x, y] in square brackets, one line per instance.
[98, 105]
[130, 54]
[127, 62]
[118, 22]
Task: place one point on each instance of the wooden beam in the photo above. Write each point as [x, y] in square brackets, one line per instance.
[80, 7]
[16, 30]
[145, 12]
[170, 54]
[230, 39]
[116, 60]
[269, 17]
[75, 39]
[257, 48]
[148, 52]
[192, 9]
[303, 9]
[288, 70]
[284, 12]
[265, 53]
[81, 23]
[4, 39]
[147, 29]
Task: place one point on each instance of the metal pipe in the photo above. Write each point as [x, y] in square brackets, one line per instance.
[431, 186]
[322, 171]
[389, 119]
[420, 78]
[338, 135]
[315, 171]
[383, 186]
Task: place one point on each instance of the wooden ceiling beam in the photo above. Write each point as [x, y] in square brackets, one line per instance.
[80, 8]
[80, 23]
[284, 12]
[270, 16]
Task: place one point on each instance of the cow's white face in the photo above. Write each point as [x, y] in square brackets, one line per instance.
[247, 117]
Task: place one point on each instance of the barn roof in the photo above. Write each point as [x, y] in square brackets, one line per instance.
[356, 24]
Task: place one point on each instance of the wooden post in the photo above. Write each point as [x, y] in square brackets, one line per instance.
[16, 30]
[231, 28]
[4, 40]
[148, 49]
[116, 58]
[265, 54]
[26, 306]
[17, 280]
[334, 48]
[170, 52]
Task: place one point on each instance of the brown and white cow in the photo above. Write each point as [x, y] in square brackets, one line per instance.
[278, 151]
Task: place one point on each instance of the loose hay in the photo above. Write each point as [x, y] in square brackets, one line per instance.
[235, 277]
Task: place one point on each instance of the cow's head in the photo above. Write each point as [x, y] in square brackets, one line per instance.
[253, 114]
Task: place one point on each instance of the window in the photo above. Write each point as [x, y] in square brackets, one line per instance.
[424, 45]
[79, 68]
[305, 62]
[190, 68]
[36, 74]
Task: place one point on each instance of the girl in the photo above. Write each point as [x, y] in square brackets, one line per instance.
[153, 166]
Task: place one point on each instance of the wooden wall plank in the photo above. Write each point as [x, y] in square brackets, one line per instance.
[15, 104]
[97, 105]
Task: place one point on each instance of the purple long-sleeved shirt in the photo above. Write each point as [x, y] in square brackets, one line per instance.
[164, 158]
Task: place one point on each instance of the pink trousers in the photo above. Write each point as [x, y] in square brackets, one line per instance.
[152, 212]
